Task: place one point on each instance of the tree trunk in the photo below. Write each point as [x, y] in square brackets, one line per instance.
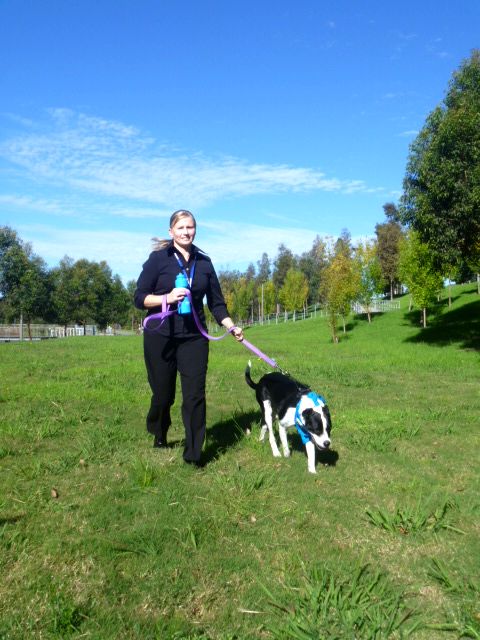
[333, 326]
[391, 289]
[478, 283]
[424, 317]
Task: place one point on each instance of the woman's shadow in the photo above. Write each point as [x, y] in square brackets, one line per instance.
[226, 434]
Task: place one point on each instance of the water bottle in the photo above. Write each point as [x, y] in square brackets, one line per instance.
[184, 306]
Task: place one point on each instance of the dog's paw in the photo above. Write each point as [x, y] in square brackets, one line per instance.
[287, 453]
[314, 471]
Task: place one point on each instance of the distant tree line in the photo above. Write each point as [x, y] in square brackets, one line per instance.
[80, 292]
[433, 235]
[331, 273]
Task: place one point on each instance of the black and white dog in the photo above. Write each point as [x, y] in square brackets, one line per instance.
[294, 404]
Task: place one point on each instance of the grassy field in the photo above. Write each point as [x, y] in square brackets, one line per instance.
[103, 537]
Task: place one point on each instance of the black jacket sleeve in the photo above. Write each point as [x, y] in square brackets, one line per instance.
[147, 282]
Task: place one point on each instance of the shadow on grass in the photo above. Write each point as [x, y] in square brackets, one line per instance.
[225, 434]
[11, 519]
[460, 326]
[328, 457]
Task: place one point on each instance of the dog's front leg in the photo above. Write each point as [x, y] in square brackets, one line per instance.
[268, 415]
[283, 437]
[310, 447]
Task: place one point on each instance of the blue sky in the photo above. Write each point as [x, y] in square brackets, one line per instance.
[273, 121]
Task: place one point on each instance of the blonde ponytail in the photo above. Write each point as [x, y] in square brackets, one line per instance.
[160, 243]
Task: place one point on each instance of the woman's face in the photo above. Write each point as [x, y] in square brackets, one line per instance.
[183, 232]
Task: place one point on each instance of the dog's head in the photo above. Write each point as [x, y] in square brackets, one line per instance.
[318, 423]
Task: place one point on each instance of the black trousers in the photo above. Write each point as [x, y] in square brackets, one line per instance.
[165, 356]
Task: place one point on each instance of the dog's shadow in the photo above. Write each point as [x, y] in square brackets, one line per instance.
[327, 457]
[226, 434]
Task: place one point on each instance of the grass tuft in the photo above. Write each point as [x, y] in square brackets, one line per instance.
[362, 605]
[413, 520]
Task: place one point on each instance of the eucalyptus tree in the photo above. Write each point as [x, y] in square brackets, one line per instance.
[419, 272]
[135, 315]
[91, 284]
[312, 263]
[339, 286]
[269, 299]
[369, 273]
[441, 198]
[241, 307]
[118, 304]
[11, 250]
[228, 282]
[264, 269]
[8, 238]
[284, 261]
[24, 284]
[294, 292]
[63, 295]
[389, 235]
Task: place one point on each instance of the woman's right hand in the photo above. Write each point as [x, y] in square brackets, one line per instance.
[176, 295]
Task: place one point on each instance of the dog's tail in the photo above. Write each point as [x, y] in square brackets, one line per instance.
[248, 379]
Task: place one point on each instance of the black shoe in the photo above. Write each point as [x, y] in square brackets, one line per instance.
[195, 463]
[160, 442]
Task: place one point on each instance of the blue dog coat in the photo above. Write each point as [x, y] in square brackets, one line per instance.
[317, 401]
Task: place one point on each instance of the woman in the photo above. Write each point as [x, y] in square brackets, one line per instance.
[177, 344]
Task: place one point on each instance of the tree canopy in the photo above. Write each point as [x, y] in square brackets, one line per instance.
[441, 199]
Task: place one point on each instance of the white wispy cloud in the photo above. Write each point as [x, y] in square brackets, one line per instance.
[124, 251]
[33, 204]
[409, 134]
[78, 208]
[231, 246]
[114, 160]
[435, 48]
[99, 171]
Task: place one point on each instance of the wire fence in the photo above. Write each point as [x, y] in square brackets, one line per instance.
[18, 332]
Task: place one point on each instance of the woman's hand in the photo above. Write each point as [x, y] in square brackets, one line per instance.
[237, 333]
[176, 295]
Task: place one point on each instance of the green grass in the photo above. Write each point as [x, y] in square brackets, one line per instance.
[103, 537]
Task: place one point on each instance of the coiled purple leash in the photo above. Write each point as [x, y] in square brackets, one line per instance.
[166, 311]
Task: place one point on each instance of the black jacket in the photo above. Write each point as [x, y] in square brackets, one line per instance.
[158, 277]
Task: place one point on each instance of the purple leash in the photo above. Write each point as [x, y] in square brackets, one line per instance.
[165, 312]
